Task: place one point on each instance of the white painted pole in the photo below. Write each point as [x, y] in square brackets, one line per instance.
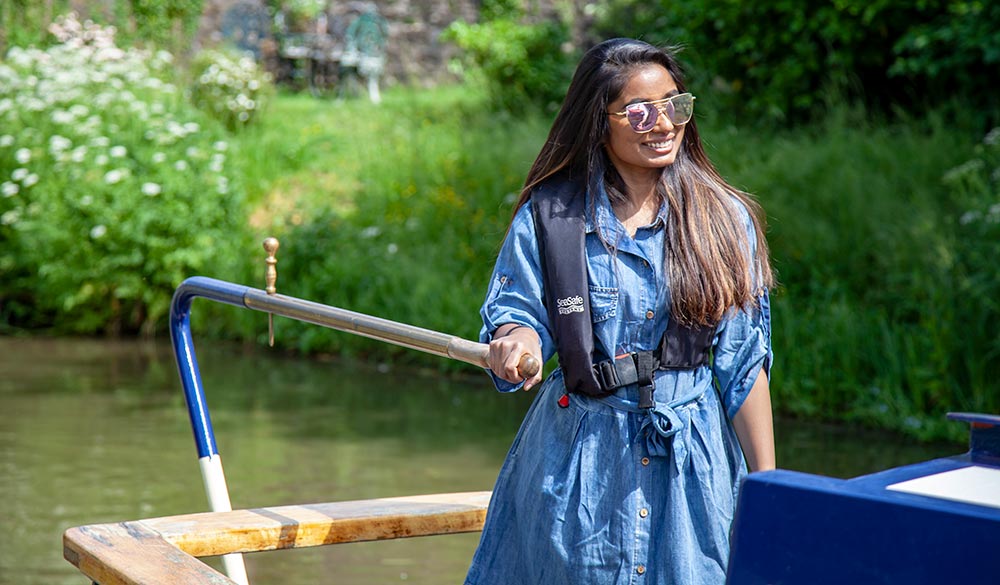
[218, 501]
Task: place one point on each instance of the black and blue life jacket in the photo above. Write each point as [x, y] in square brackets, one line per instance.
[558, 209]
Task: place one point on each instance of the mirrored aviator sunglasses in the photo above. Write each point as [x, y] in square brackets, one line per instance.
[643, 115]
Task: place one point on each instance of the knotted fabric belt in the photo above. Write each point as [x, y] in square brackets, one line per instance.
[662, 424]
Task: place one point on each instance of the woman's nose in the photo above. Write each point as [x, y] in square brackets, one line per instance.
[663, 120]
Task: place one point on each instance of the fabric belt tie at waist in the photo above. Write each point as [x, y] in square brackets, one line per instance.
[661, 425]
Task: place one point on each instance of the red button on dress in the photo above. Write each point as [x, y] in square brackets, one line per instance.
[564, 400]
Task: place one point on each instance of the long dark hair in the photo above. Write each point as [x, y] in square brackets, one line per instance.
[708, 250]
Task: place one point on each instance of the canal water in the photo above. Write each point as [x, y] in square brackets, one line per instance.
[95, 431]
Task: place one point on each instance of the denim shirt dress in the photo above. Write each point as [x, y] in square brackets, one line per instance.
[600, 492]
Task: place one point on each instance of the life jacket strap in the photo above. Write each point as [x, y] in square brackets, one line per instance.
[645, 363]
[559, 212]
[631, 368]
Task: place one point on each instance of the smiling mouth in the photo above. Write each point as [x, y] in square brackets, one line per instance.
[660, 145]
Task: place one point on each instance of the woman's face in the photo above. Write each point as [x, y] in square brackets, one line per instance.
[630, 151]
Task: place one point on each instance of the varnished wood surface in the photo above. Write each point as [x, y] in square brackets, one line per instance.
[131, 554]
[163, 550]
[320, 524]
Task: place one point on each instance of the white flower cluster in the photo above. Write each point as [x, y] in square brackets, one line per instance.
[980, 176]
[232, 87]
[96, 117]
[70, 31]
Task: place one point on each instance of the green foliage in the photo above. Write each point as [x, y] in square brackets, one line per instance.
[306, 9]
[975, 186]
[958, 51]
[168, 24]
[164, 24]
[230, 86]
[113, 188]
[23, 22]
[871, 323]
[522, 66]
[779, 60]
[498, 9]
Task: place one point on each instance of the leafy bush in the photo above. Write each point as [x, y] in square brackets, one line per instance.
[779, 59]
[23, 22]
[305, 9]
[166, 24]
[520, 65]
[229, 86]
[113, 188]
[951, 52]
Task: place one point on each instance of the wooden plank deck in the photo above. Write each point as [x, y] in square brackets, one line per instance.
[163, 550]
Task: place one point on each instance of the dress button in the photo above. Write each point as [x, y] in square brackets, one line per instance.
[645, 460]
[640, 569]
[649, 314]
[644, 512]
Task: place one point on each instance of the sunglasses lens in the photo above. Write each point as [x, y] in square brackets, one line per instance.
[642, 117]
[680, 109]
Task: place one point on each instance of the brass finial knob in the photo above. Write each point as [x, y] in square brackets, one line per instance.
[271, 274]
[270, 279]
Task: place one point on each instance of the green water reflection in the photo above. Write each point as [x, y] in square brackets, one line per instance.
[96, 431]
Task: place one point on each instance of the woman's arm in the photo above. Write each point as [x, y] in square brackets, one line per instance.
[514, 317]
[755, 427]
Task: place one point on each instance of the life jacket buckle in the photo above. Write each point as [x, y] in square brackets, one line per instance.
[636, 367]
[645, 365]
[607, 375]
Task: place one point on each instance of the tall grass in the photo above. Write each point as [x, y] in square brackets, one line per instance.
[868, 324]
[398, 210]
[395, 210]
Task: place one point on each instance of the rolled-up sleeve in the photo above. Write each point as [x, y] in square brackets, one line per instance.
[742, 350]
[743, 346]
[515, 293]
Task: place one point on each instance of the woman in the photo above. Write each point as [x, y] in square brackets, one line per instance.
[630, 255]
